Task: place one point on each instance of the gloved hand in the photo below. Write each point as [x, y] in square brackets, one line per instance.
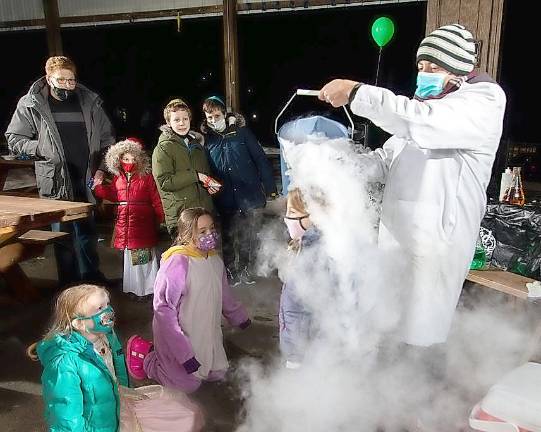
[245, 324]
[191, 365]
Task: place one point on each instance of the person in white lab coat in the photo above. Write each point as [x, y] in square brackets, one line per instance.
[436, 168]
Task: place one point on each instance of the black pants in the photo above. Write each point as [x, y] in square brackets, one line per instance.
[238, 239]
[76, 256]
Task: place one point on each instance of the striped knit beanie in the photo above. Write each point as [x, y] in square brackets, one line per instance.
[452, 47]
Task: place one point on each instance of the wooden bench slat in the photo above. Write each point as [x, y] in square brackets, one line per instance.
[41, 237]
[32, 212]
[75, 216]
[503, 281]
[26, 192]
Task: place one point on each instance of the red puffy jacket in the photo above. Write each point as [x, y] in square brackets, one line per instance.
[139, 210]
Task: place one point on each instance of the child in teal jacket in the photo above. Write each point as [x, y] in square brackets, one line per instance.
[83, 363]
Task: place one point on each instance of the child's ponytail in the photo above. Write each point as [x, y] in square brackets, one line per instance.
[31, 352]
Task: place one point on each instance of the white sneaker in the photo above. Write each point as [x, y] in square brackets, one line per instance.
[246, 277]
[292, 365]
[235, 282]
[233, 278]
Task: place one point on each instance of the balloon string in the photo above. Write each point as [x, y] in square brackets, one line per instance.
[379, 61]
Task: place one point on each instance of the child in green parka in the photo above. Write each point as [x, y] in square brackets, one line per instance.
[180, 166]
[84, 379]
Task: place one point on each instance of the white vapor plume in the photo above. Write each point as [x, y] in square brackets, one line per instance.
[356, 375]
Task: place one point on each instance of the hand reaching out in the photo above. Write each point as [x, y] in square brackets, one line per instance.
[98, 178]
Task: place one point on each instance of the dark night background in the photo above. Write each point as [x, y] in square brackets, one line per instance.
[141, 66]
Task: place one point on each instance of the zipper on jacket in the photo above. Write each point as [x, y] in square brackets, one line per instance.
[198, 186]
[128, 179]
[100, 363]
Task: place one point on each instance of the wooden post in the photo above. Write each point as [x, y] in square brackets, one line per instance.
[52, 22]
[482, 17]
[231, 55]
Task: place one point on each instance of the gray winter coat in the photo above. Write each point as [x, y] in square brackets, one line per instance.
[33, 131]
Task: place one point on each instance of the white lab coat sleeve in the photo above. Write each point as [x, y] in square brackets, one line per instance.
[465, 119]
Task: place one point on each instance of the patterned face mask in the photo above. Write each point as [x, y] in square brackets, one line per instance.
[61, 93]
[208, 242]
[103, 321]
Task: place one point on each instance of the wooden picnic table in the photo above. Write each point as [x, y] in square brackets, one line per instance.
[18, 217]
[20, 214]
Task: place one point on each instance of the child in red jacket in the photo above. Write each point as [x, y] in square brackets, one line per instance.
[138, 216]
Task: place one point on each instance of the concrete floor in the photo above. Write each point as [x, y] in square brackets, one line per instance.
[20, 390]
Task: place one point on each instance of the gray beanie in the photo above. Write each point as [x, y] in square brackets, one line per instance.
[452, 47]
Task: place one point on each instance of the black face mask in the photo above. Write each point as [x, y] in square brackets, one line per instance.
[62, 94]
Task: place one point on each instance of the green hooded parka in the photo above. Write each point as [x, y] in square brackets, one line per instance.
[175, 164]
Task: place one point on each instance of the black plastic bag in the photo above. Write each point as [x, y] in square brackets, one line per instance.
[517, 231]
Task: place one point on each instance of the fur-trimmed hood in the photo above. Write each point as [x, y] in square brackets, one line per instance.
[172, 135]
[115, 152]
[232, 120]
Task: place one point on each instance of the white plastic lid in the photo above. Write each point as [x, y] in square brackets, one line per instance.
[516, 398]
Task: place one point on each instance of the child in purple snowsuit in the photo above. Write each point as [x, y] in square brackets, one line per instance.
[190, 295]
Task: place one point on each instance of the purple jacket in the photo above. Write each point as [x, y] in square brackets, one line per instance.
[172, 362]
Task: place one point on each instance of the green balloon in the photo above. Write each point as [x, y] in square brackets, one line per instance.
[383, 31]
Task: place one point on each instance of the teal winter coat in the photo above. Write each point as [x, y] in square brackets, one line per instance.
[79, 392]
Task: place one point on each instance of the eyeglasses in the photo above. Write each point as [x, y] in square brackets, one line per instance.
[70, 81]
[297, 218]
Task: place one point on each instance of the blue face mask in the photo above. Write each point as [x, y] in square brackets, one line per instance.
[429, 84]
[103, 321]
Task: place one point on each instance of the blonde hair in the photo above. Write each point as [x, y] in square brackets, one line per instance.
[59, 62]
[187, 224]
[296, 201]
[174, 106]
[69, 305]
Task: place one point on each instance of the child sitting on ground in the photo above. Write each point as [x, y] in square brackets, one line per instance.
[84, 374]
[190, 296]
